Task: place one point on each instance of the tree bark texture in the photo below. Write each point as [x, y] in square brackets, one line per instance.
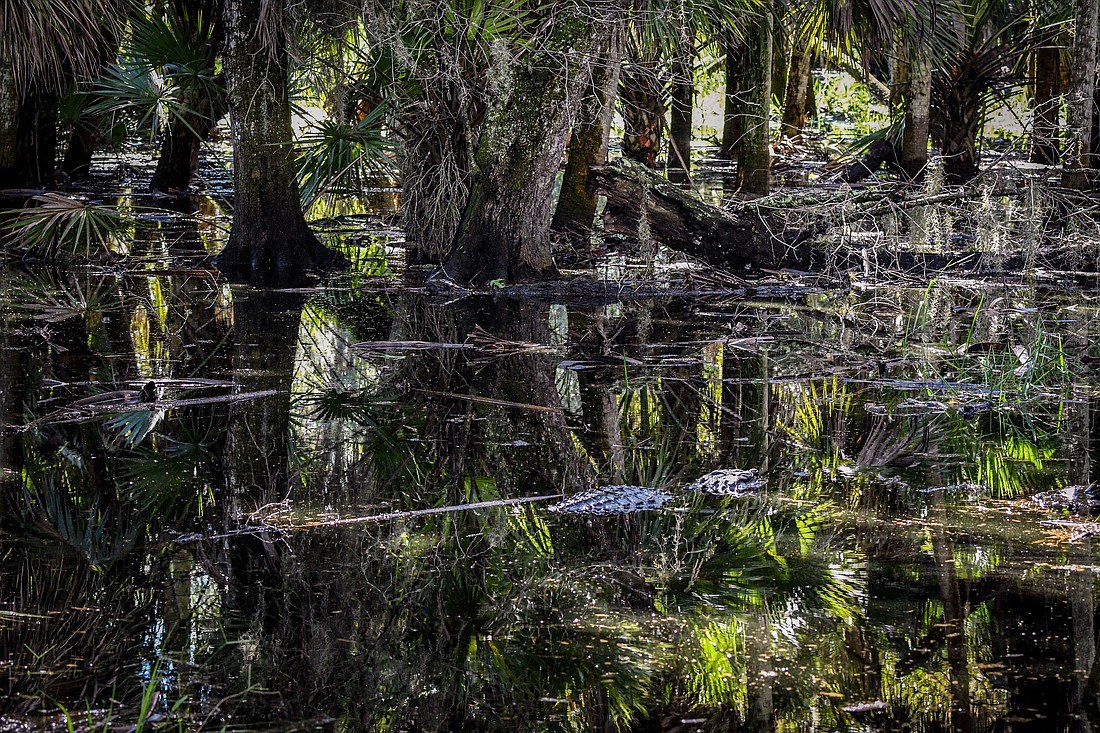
[505, 229]
[918, 98]
[1045, 103]
[9, 120]
[1079, 96]
[683, 101]
[589, 141]
[28, 135]
[270, 242]
[732, 124]
[754, 156]
[796, 95]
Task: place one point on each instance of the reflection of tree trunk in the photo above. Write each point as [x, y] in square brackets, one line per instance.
[602, 432]
[962, 719]
[266, 325]
[745, 397]
[588, 142]
[11, 408]
[759, 673]
[549, 462]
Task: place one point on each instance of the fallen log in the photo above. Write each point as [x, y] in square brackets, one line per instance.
[640, 201]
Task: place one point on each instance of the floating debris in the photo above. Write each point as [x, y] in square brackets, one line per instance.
[606, 500]
[728, 482]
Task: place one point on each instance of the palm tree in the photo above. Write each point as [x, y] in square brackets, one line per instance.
[270, 241]
[44, 48]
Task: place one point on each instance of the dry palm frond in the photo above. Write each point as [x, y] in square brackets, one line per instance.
[50, 42]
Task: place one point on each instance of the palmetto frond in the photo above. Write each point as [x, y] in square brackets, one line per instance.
[60, 225]
[52, 41]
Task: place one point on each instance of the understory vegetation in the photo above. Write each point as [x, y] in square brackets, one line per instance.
[469, 108]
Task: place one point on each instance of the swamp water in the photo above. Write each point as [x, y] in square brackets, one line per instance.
[229, 508]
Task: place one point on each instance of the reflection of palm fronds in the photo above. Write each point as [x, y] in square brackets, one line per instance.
[896, 444]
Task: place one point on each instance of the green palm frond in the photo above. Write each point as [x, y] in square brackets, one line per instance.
[342, 157]
[60, 226]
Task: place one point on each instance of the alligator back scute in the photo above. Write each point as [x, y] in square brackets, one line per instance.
[728, 482]
[606, 500]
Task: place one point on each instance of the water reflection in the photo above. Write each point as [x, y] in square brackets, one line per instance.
[191, 472]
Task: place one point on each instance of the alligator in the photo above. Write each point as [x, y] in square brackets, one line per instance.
[1080, 500]
[606, 500]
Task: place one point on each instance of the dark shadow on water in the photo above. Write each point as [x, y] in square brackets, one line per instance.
[190, 471]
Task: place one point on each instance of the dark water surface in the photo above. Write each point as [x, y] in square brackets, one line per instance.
[228, 508]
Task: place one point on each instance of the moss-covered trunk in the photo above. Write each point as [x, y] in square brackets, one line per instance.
[270, 242]
[505, 229]
[1045, 104]
[797, 91]
[1079, 96]
[754, 156]
[589, 141]
[435, 184]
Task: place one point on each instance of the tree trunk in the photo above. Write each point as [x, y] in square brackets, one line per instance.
[1079, 96]
[799, 80]
[203, 104]
[732, 125]
[505, 229]
[754, 157]
[1045, 103]
[9, 122]
[588, 142]
[640, 99]
[959, 110]
[179, 151]
[914, 143]
[28, 135]
[270, 242]
[683, 99]
[83, 142]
